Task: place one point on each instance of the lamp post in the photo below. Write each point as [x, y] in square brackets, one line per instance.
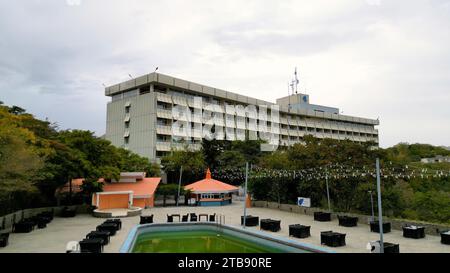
[245, 193]
[371, 204]
[380, 211]
[179, 184]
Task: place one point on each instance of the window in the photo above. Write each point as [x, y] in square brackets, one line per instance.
[126, 140]
[127, 125]
[127, 110]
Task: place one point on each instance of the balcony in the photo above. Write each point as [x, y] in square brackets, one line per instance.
[164, 130]
[164, 113]
[164, 97]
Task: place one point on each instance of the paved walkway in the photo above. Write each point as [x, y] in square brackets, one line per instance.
[62, 230]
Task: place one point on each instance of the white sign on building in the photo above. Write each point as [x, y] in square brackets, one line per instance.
[304, 202]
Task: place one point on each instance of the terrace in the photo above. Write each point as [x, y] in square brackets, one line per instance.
[60, 231]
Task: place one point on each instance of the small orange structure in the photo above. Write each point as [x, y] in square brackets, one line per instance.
[132, 190]
[211, 192]
[76, 186]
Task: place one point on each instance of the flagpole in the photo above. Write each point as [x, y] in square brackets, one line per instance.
[380, 212]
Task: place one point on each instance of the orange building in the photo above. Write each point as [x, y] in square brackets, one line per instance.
[211, 192]
[132, 190]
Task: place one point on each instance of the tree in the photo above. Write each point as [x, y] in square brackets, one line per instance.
[167, 189]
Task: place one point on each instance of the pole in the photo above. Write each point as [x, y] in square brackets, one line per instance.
[328, 191]
[179, 184]
[371, 204]
[380, 212]
[245, 193]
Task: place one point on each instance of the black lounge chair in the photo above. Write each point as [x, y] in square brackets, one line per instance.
[445, 237]
[269, 224]
[212, 217]
[118, 222]
[4, 237]
[105, 235]
[322, 216]
[169, 218]
[185, 218]
[250, 221]
[375, 227]
[66, 212]
[146, 219]
[94, 245]
[299, 231]
[333, 239]
[193, 217]
[23, 226]
[414, 232]
[110, 227]
[347, 221]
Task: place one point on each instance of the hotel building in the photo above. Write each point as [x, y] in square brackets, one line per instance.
[140, 118]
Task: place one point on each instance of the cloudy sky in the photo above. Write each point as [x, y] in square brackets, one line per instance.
[370, 58]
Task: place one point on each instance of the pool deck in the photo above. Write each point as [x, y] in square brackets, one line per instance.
[54, 238]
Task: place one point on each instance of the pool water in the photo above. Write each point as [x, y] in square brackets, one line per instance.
[197, 241]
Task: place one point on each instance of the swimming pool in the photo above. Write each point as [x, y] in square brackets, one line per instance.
[203, 237]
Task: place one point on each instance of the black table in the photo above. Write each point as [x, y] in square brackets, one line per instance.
[4, 239]
[445, 237]
[322, 216]
[414, 232]
[185, 218]
[250, 221]
[347, 221]
[269, 224]
[375, 227]
[203, 215]
[391, 248]
[333, 239]
[112, 228]
[299, 231]
[99, 234]
[146, 220]
[94, 245]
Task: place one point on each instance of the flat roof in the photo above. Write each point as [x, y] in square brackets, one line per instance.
[223, 94]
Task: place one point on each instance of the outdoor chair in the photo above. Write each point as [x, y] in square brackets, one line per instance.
[105, 235]
[212, 217]
[322, 216]
[23, 226]
[299, 231]
[169, 218]
[333, 239]
[4, 237]
[347, 221]
[111, 228]
[94, 245]
[185, 218]
[250, 221]
[193, 217]
[66, 212]
[269, 224]
[146, 219]
[414, 232]
[118, 222]
[375, 227]
[445, 237]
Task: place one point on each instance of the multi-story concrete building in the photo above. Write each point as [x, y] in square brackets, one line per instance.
[140, 118]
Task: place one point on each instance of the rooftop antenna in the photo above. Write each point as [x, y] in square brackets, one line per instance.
[130, 76]
[156, 68]
[296, 81]
[104, 85]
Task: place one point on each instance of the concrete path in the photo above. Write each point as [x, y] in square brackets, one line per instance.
[54, 238]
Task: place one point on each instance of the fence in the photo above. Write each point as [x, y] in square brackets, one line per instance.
[430, 228]
[7, 221]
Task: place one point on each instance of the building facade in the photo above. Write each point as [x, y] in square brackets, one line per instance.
[140, 116]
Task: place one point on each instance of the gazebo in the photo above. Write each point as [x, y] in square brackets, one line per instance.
[211, 192]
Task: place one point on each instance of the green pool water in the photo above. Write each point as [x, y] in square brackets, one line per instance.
[198, 241]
